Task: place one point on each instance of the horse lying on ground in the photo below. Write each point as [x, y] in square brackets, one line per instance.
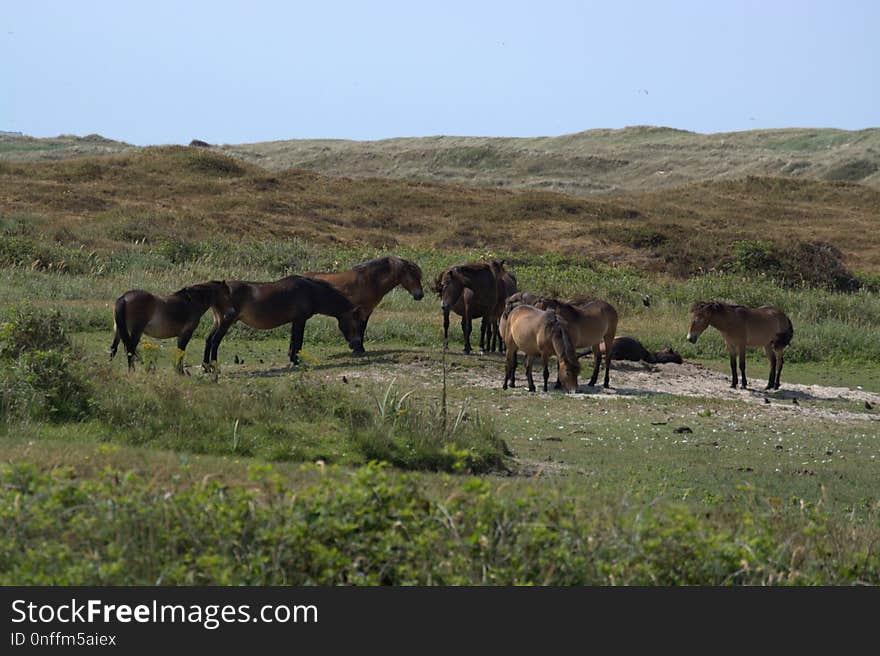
[293, 300]
[366, 284]
[538, 333]
[742, 327]
[137, 313]
[631, 349]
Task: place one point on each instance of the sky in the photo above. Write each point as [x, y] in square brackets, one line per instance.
[162, 72]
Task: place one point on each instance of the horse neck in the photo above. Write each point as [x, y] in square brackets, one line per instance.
[329, 302]
[722, 319]
[200, 298]
[388, 282]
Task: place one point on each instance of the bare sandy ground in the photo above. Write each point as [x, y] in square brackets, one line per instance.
[632, 380]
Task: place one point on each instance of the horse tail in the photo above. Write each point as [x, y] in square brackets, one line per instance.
[783, 338]
[121, 327]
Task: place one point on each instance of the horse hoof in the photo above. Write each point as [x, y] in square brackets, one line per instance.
[532, 389]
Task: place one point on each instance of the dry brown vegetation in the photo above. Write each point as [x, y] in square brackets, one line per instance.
[195, 193]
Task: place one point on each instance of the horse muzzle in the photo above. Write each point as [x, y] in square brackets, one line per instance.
[692, 338]
[418, 296]
[229, 315]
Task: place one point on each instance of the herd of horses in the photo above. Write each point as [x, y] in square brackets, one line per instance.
[513, 321]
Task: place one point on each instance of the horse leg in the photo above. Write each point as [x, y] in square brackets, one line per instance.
[208, 342]
[182, 341]
[297, 331]
[115, 345]
[742, 366]
[445, 328]
[484, 328]
[735, 378]
[771, 356]
[779, 360]
[546, 373]
[509, 369]
[132, 351]
[609, 344]
[466, 327]
[530, 360]
[597, 356]
[215, 343]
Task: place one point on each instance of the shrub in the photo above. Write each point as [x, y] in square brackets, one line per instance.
[27, 329]
[378, 527]
[44, 385]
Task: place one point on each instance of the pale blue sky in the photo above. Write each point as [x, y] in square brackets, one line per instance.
[231, 72]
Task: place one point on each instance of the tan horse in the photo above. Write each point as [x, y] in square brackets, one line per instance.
[293, 300]
[538, 333]
[137, 313]
[742, 327]
[590, 323]
[473, 291]
[367, 284]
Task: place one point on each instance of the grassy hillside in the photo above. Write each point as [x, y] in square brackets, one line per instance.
[591, 162]
[182, 195]
[583, 164]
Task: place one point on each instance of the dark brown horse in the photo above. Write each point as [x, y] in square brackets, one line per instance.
[293, 300]
[631, 349]
[138, 313]
[742, 327]
[366, 284]
[473, 291]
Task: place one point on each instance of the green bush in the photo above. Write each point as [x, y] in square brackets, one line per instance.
[44, 385]
[378, 527]
[26, 329]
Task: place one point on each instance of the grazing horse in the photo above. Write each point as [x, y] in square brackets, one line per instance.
[472, 291]
[293, 300]
[590, 323]
[366, 284]
[138, 313]
[742, 327]
[629, 348]
[538, 333]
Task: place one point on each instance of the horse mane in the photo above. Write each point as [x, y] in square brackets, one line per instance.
[558, 331]
[714, 306]
[199, 290]
[377, 268]
[582, 300]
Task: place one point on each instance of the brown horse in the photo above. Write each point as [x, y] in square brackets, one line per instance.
[366, 284]
[520, 298]
[138, 313]
[742, 327]
[590, 323]
[631, 349]
[473, 291]
[538, 333]
[293, 300]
